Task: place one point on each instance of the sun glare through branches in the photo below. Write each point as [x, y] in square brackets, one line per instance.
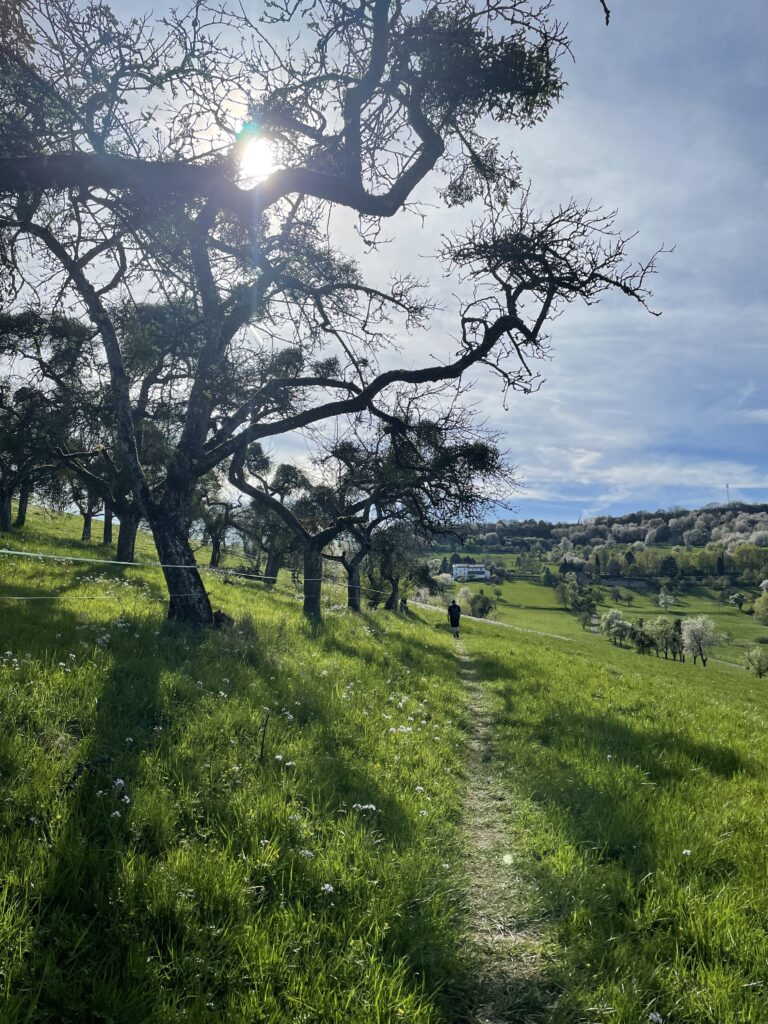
[257, 161]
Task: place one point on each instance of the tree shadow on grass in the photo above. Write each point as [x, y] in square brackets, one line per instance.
[91, 955]
[404, 650]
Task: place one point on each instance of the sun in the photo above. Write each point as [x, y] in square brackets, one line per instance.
[257, 161]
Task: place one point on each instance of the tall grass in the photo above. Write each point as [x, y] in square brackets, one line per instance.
[247, 825]
[640, 790]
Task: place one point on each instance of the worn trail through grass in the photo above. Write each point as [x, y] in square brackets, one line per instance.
[504, 944]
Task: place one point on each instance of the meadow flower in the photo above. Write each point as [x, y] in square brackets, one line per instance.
[364, 807]
[119, 783]
[419, 789]
[306, 853]
[115, 814]
[129, 739]
[326, 887]
[686, 853]
[125, 798]
[278, 757]
[655, 1018]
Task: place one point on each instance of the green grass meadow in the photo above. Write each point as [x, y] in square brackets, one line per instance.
[158, 865]
[262, 824]
[639, 790]
[532, 605]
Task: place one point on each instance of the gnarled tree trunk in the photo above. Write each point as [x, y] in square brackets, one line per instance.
[126, 534]
[393, 600]
[188, 599]
[215, 552]
[25, 492]
[313, 580]
[275, 558]
[87, 524]
[353, 585]
[5, 511]
[106, 537]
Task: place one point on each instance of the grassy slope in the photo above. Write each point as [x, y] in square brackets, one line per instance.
[534, 606]
[156, 868]
[616, 767]
[203, 899]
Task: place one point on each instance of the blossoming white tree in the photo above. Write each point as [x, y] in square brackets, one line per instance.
[756, 661]
[699, 637]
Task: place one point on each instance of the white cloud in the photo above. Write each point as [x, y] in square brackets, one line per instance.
[755, 415]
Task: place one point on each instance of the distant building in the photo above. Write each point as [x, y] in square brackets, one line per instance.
[470, 572]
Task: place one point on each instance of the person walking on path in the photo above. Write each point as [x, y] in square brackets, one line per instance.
[454, 614]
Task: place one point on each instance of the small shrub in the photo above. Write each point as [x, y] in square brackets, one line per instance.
[761, 608]
[756, 661]
[481, 605]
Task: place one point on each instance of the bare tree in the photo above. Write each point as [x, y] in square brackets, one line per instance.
[421, 467]
[121, 177]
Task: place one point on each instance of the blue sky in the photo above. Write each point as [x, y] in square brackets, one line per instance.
[665, 120]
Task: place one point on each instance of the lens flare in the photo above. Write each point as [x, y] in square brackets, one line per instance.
[257, 161]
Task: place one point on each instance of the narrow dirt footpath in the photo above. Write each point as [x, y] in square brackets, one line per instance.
[507, 942]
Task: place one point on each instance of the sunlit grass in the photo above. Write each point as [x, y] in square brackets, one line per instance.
[531, 605]
[639, 789]
[258, 824]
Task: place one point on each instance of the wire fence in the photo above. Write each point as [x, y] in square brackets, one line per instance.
[236, 573]
[294, 592]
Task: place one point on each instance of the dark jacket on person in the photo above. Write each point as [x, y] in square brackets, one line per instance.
[454, 614]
